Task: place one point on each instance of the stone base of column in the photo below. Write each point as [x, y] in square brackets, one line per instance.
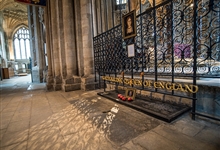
[71, 87]
[57, 85]
[71, 84]
[88, 83]
[49, 83]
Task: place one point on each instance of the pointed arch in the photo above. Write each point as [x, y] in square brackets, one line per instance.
[21, 43]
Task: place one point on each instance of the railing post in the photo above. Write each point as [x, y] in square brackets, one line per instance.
[195, 6]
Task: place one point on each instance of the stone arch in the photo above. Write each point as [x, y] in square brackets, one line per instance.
[16, 28]
[10, 39]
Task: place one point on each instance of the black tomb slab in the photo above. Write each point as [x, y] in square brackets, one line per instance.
[162, 110]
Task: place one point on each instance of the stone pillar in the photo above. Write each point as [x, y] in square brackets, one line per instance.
[41, 51]
[61, 40]
[78, 32]
[87, 38]
[37, 70]
[94, 18]
[31, 33]
[69, 37]
[48, 46]
[104, 19]
[88, 56]
[109, 13]
[71, 81]
[55, 48]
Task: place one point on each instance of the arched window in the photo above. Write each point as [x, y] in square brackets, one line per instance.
[22, 43]
[121, 2]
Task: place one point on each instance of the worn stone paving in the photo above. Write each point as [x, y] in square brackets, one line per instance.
[33, 118]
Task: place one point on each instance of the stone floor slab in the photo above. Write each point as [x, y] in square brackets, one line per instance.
[9, 109]
[14, 138]
[18, 126]
[187, 126]
[181, 139]
[152, 141]
[4, 122]
[210, 135]
[18, 146]
[6, 116]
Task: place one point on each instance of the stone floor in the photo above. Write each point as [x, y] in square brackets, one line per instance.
[33, 118]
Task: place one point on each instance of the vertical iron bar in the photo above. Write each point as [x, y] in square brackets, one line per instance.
[101, 47]
[120, 4]
[113, 25]
[155, 43]
[172, 50]
[97, 40]
[103, 59]
[142, 49]
[195, 5]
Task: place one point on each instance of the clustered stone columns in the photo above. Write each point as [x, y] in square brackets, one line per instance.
[69, 45]
[53, 32]
[36, 44]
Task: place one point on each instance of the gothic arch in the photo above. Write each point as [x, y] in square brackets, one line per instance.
[17, 28]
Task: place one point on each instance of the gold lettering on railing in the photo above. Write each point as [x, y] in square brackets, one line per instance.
[155, 84]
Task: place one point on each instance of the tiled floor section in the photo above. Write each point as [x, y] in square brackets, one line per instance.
[33, 118]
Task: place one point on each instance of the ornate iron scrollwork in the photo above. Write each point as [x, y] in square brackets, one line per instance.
[165, 38]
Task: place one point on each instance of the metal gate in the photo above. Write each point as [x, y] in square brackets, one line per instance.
[175, 40]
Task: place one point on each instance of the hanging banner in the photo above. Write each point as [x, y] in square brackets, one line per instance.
[32, 2]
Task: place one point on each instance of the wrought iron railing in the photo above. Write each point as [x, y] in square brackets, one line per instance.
[174, 39]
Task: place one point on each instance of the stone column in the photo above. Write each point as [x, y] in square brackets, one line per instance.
[31, 33]
[37, 71]
[61, 40]
[71, 81]
[69, 37]
[104, 19]
[48, 46]
[55, 48]
[109, 13]
[41, 49]
[78, 32]
[87, 37]
[88, 56]
[94, 18]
